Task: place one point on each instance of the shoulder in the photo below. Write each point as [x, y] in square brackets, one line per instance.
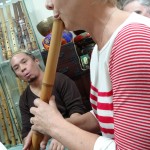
[131, 36]
[133, 30]
[60, 77]
[131, 48]
[24, 95]
[25, 92]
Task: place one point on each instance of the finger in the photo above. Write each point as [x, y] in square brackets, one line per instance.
[28, 141]
[44, 142]
[59, 147]
[53, 145]
[52, 102]
[36, 102]
[27, 145]
[62, 147]
[33, 110]
[42, 146]
[31, 120]
[52, 98]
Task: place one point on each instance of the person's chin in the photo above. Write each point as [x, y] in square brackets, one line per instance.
[31, 80]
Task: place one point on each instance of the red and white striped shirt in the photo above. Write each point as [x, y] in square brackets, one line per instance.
[120, 85]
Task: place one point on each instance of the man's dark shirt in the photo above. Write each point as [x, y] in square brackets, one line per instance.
[67, 96]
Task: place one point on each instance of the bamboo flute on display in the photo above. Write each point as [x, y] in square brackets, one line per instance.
[13, 113]
[31, 34]
[23, 26]
[4, 129]
[11, 28]
[49, 74]
[20, 85]
[21, 44]
[12, 108]
[8, 118]
[14, 41]
[2, 43]
[5, 35]
[24, 16]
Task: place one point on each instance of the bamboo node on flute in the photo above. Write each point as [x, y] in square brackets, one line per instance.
[47, 85]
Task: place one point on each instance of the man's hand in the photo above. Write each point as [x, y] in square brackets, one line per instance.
[41, 122]
[27, 141]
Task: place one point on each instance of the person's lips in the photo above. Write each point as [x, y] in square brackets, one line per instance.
[56, 15]
[27, 75]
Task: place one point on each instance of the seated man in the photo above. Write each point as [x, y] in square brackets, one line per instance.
[68, 99]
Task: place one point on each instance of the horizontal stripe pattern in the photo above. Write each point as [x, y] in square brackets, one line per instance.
[101, 103]
[120, 87]
[130, 75]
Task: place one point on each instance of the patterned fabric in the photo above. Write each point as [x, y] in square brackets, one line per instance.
[66, 38]
[120, 85]
[81, 36]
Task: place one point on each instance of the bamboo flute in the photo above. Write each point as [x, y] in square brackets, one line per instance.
[21, 43]
[4, 128]
[2, 43]
[31, 35]
[11, 30]
[20, 85]
[5, 35]
[13, 112]
[49, 74]
[8, 118]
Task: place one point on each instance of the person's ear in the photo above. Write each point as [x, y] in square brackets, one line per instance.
[37, 61]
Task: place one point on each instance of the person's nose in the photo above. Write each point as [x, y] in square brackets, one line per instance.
[49, 5]
[22, 68]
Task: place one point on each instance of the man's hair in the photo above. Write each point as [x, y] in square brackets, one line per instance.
[24, 52]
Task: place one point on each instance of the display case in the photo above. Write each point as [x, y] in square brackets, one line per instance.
[10, 90]
[16, 34]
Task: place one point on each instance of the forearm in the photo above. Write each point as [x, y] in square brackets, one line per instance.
[73, 137]
[86, 122]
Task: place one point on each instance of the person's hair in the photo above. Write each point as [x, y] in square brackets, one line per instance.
[142, 2]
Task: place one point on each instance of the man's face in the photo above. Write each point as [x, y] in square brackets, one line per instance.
[69, 11]
[135, 6]
[25, 67]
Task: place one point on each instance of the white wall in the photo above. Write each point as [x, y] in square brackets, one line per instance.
[37, 12]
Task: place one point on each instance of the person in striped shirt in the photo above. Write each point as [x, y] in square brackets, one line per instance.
[120, 80]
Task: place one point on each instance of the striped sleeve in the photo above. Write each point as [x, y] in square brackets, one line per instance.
[130, 74]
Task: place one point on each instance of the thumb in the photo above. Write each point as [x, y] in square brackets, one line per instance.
[52, 101]
[43, 145]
